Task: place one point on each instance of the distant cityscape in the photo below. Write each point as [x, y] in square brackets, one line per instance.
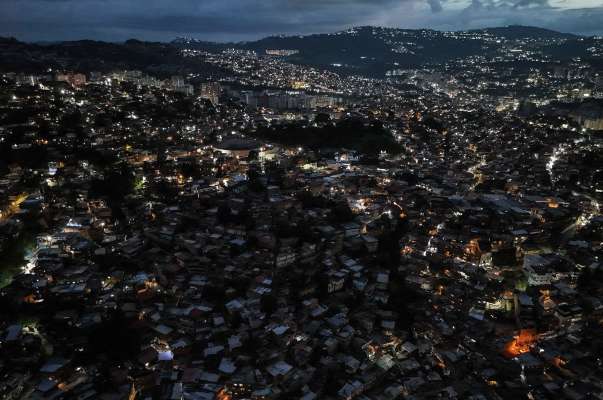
[373, 214]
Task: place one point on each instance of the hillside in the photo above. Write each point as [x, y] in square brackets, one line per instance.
[374, 50]
[370, 51]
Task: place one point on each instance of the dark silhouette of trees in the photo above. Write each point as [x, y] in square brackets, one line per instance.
[268, 304]
[114, 338]
[367, 137]
[341, 213]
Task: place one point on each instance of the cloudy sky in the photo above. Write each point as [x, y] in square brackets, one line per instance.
[228, 20]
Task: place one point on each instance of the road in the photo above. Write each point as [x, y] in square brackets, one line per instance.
[13, 207]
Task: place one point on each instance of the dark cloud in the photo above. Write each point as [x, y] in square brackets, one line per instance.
[480, 13]
[248, 19]
[507, 4]
[531, 3]
[435, 5]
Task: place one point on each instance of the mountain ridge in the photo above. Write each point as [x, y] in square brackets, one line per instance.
[511, 30]
[365, 50]
[372, 50]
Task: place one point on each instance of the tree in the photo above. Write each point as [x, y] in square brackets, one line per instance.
[114, 338]
[268, 304]
[224, 213]
[322, 118]
[389, 249]
[255, 184]
[341, 213]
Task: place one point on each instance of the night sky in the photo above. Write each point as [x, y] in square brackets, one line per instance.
[234, 20]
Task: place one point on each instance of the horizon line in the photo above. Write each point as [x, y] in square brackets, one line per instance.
[291, 35]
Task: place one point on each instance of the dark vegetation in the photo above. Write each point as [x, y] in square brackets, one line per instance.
[366, 137]
[160, 59]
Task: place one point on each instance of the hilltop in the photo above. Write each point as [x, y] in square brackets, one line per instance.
[366, 50]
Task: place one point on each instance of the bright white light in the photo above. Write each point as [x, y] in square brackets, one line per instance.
[550, 165]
